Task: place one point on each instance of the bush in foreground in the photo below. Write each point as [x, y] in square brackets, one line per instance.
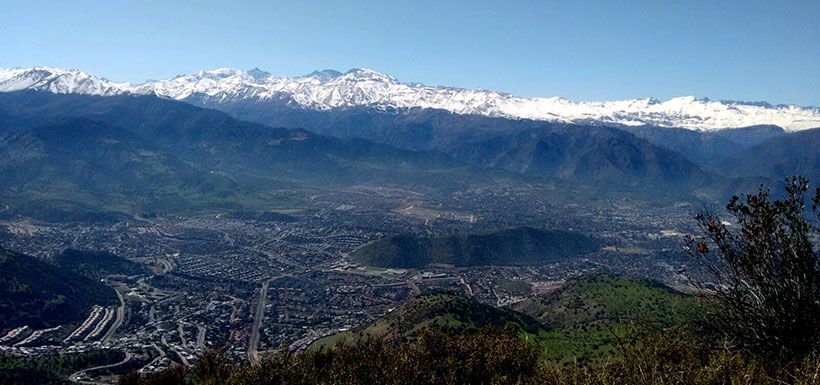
[490, 356]
[766, 272]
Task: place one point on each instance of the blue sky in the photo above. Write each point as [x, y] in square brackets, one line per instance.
[584, 50]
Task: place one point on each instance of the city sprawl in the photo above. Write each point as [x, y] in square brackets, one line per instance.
[260, 284]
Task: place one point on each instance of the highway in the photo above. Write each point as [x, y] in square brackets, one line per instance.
[118, 320]
[259, 315]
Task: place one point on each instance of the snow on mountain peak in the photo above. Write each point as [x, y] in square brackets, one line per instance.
[57, 80]
[328, 89]
[220, 73]
[258, 74]
[366, 74]
[325, 75]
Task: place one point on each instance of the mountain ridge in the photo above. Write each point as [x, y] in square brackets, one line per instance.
[161, 154]
[330, 89]
[519, 246]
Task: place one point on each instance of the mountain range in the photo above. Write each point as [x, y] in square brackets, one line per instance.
[63, 153]
[330, 89]
[71, 142]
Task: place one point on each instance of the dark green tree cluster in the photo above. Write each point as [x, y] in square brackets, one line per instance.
[42, 295]
[504, 247]
[53, 369]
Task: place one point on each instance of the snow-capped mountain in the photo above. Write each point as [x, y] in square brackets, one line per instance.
[59, 81]
[328, 89]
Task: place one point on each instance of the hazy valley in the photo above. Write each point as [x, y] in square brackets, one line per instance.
[256, 215]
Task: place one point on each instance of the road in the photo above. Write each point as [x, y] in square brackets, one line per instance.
[118, 320]
[259, 315]
[166, 266]
[467, 285]
[200, 336]
[181, 332]
[413, 287]
[158, 358]
[75, 377]
[179, 353]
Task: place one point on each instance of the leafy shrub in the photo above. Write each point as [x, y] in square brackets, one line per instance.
[766, 273]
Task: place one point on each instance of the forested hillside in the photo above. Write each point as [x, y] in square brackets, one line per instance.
[42, 295]
[514, 246]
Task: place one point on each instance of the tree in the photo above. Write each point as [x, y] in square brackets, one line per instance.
[765, 272]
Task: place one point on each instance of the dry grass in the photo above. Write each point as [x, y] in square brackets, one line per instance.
[494, 357]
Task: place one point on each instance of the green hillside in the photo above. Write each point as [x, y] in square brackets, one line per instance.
[82, 169]
[447, 313]
[97, 264]
[513, 246]
[588, 316]
[42, 295]
[581, 322]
